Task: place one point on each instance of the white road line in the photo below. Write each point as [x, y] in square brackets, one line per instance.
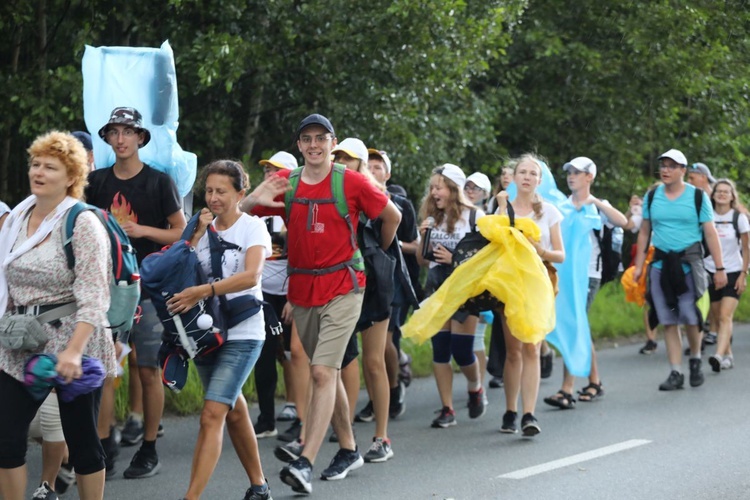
[574, 459]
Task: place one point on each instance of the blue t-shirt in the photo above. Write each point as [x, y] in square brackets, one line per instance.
[675, 225]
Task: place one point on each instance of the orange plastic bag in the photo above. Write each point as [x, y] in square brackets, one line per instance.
[635, 292]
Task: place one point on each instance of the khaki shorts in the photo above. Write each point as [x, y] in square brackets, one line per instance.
[325, 330]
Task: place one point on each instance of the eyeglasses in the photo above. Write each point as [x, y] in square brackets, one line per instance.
[473, 188]
[307, 139]
[670, 166]
[126, 132]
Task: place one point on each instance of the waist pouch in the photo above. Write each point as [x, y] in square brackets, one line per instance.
[24, 332]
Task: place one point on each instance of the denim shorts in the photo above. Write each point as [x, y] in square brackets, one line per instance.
[224, 371]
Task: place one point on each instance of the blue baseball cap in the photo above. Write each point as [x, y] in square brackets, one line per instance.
[85, 139]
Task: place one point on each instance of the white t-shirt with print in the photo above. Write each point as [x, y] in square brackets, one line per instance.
[440, 234]
[550, 216]
[730, 247]
[247, 232]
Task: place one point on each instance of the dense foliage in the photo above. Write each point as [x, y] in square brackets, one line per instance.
[431, 82]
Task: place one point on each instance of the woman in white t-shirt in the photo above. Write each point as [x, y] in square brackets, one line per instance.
[736, 254]
[224, 371]
[447, 214]
[521, 373]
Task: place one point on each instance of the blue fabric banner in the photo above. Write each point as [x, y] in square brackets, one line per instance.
[145, 79]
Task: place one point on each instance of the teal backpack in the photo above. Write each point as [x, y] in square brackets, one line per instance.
[125, 285]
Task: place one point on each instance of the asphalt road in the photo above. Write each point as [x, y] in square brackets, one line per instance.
[636, 443]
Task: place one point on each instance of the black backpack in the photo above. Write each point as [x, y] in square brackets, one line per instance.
[610, 256]
[469, 245]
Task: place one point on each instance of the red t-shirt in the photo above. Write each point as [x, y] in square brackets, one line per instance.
[328, 241]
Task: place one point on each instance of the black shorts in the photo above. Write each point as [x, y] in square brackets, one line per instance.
[727, 291]
[352, 351]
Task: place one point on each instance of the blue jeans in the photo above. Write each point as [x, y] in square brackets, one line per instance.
[224, 371]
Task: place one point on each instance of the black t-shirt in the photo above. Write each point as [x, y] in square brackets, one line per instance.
[148, 198]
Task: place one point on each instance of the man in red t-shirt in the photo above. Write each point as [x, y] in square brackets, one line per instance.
[324, 288]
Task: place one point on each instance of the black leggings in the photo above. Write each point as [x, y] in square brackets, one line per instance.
[78, 422]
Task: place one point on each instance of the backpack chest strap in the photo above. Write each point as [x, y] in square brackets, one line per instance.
[312, 209]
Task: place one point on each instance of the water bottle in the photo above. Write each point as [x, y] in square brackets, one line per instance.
[617, 235]
[427, 253]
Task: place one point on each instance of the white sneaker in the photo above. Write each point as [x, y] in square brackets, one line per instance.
[727, 363]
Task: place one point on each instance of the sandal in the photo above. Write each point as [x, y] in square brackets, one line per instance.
[562, 400]
[585, 396]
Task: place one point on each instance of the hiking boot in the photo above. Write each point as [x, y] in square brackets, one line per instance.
[343, 462]
[366, 414]
[509, 423]
[545, 363]
[264, 429]
[66, 477]
[476, 403]
[252, 493]
[44, 492]
[715, 362]
[696, 374]
[404, 369]
[380, 450]
[529, 425]
[288, 413]
[675, 381]
[144, 464]
[289, 452]
[445, 419]
[397, 405]
[649, 347]
[292, 432]
[132, 432]
[496, 382]
[298, 475]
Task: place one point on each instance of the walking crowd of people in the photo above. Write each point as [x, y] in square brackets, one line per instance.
[331, 249]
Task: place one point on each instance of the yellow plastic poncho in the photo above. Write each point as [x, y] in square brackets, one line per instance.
[509, 268]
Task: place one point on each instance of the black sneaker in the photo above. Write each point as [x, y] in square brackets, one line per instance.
[366, 414]
[675, 381]
[476, 403]
[649, 347]
[289, 452]
[710, 338]
[288, 413]
[715, 362]
[66, 477]
[132, 432]
[509, 423]
[445, 419]
[144, 464]
[496, 382]
[343, 462]
[254, 494]
[529, 425]
[696, 374]
[292, 432]
[298, 475]
[264, 429]
[44, 492]
[397, 404]
[545, 363]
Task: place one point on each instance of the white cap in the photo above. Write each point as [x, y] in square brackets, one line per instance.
[353, 147]
[383, 156]
[582, 164]
[454, 173]
[481, 181]
[676, 155]
[282, 160]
